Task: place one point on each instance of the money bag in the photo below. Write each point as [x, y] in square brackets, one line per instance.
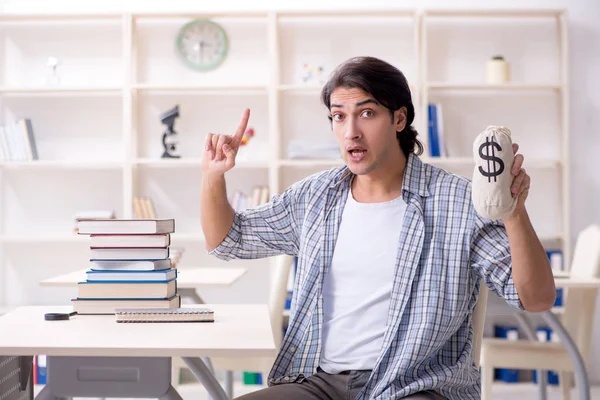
[494, 157]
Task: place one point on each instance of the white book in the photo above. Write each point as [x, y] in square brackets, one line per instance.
[88, 226]
[129, 253]
[131, 265]
[159, 240]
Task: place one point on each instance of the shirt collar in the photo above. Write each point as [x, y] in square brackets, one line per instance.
[416, 176]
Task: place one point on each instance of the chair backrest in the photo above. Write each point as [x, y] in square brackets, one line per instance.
[586, 257]
[278, 294]
[580, 303]
[479, 321]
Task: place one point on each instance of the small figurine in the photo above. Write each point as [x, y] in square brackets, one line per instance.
[313, 74]
[169, 136]
[249, 134]
[52, 77]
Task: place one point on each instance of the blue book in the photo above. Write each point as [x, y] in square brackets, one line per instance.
[131, 276]
[434, 141]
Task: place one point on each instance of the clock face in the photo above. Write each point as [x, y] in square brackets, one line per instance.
[202, 44]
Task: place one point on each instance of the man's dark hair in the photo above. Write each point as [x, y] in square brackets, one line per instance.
[386, 84]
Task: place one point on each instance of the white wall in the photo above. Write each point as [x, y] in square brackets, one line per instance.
[584, 33]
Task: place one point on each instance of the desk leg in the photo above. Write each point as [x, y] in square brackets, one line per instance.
[204, 375]
[46, 394]
[171, 394]
[192, 294]
[580, 371]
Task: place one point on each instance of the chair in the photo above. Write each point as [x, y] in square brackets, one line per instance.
[577, 320]
[277, 299]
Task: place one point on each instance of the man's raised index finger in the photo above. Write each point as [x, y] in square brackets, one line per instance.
[237, 138]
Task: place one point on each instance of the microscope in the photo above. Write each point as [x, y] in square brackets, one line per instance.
[169, 136]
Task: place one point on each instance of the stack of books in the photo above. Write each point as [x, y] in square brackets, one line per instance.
[130, 266]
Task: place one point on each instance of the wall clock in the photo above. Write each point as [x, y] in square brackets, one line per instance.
[202, 44]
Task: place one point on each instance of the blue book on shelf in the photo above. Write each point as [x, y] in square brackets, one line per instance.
[434, 138]
[508, 375]
[545, 335]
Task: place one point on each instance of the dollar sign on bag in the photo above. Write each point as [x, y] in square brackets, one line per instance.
[492, 171]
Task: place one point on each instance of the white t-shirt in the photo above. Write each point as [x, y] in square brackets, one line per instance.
[358, 285]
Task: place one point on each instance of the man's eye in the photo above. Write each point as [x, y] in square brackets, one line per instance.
[337, 117]
[367, 113]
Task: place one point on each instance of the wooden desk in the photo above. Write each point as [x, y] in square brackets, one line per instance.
[86, 342]
[188, 279]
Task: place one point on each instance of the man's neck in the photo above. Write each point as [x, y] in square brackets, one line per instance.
[382, 185]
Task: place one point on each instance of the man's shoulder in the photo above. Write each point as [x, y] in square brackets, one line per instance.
[442, 182]
[321, 180]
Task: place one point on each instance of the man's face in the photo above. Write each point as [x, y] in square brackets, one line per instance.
[365, 130]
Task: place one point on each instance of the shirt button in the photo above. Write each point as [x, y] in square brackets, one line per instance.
[287, 378]
[293, 349]
[309, 314]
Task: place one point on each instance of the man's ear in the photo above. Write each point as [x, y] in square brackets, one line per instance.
[400, 119]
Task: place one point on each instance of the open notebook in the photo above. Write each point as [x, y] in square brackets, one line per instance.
[165, 315]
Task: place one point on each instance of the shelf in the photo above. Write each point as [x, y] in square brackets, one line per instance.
[301, 88]
[469, 161]
[90, 91]
[192, 163]
[311, 163]
[494, 13]
[169, 89]
[44, 238]
[486, 87]
[369, 12]
[8, 19]
[62, 164]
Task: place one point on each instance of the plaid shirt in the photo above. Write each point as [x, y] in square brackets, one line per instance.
[445, 250]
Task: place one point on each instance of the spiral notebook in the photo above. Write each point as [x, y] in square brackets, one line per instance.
[165, 315]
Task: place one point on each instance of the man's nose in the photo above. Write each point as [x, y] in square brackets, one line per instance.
[352, 131]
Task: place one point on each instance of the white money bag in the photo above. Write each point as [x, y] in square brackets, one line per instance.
[492, 179]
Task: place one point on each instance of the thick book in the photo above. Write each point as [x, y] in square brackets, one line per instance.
[82, 306]
[131, 275]
[89, 226]
[151, 240]
[129, 253]
[172, 315]
[127, 290]
[131, 265]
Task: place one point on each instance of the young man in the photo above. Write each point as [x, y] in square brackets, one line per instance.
[391, 253]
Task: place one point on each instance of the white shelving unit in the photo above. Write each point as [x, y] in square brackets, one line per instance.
[98, 130]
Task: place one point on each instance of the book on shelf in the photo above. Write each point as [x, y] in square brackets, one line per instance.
[123, 275]
[435, 123]
[17, 141]
[138, 290]
[143, 208]
[241, 201]
[92, 214]
[172, 315]
[306, 149]
[150, 240]
[108, 306]
[124, 226]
